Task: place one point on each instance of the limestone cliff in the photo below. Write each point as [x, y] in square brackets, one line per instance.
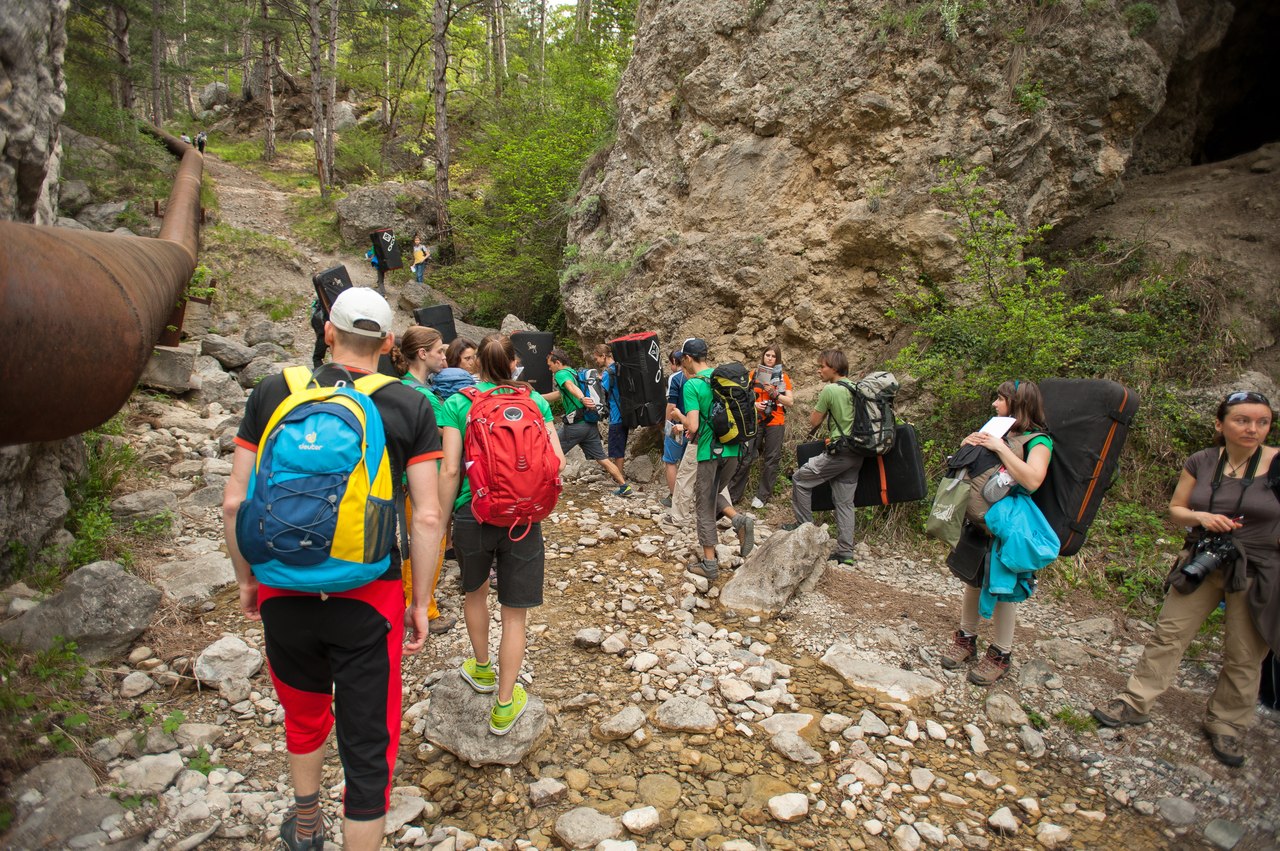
[773, 158]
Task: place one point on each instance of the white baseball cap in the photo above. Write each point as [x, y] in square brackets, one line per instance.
[361, 304]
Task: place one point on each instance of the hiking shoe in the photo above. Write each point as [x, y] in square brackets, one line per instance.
[962, 649]
[625, 490]
[1117, 713]
[503, 718]
[442, 624]
[990, 668]
[665, 502]
[790, 527]
[756, 502]
[707, 569]
[745, 526]
[289, 834]
[483, 680]
[1228, 749]
[847, 561]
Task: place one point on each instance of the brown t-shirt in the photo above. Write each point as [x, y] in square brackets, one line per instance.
[1260, 507]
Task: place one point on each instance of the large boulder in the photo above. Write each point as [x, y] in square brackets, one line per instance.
[228, 658]
[406, 208]
[214, 94]
[197, 577]
[102, 217]
[100, 607]
[880, 682]
[345, 115]
[75, 196]
[56, 807]
[458, 721]
[33, 498]
[232, 354]
[786, 564]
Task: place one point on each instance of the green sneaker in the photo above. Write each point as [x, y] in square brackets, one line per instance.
[503, 718]
[483, 680]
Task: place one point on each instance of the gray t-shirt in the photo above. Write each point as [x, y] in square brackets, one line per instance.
[1260, 507]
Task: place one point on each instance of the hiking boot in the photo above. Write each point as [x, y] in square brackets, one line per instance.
[665, 501]
[706, 568]
[745, 526]
[990, 668]
[289, 834]
[790, 527]
[1228, 749]
[846, 561]
[962, 649]
[483, 680]
[757, 503]
[441, 625]
[1117, 713]
[625, 490]
[503, 718]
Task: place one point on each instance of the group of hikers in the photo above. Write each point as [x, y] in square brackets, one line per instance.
[200, 140]
[452, 451]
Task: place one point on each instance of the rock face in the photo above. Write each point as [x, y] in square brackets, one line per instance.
[773, 160]
[787, 563]
[100, 607]
[33, 39]
[403, 207]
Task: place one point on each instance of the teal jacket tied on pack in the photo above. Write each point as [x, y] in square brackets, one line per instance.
[1024, 543]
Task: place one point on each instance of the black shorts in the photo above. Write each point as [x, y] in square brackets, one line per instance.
[618, 440]
[586, 435]
[520, 564]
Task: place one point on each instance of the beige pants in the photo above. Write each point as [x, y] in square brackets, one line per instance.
[1232, 707]
[686, 475]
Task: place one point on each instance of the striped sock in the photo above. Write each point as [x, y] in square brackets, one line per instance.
[308, 807]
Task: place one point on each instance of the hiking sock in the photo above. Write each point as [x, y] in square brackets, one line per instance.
[308, 809]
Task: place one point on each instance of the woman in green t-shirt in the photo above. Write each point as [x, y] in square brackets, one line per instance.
[1026, 461]
[481, 546]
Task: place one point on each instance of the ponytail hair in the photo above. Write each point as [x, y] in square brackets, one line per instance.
[495, 355]
[415, 339]
[1026, 405]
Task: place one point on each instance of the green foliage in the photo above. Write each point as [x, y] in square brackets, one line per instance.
[949, 11]
[1036, 720]
[238, 151]
[1075, 720]
[1030, 96]
[315, 220]
[908, 21]
[42, 711]
[280, 308]
[1141, 17]
[173, 721]
[202, 762]
[357, 156]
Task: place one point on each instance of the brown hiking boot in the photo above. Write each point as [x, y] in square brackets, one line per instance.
[992, 667]
[960, 651]
[1228, 749]
[1117, 713]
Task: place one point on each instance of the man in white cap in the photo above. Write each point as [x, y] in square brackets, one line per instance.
[336, 656]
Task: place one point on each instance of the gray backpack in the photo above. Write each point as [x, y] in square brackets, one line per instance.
[874, 424]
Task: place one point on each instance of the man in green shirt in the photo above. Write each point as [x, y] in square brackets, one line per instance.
[716, 462]
[576, 431]
[841, 469]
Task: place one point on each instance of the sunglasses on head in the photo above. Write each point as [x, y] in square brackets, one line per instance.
[1241, 396]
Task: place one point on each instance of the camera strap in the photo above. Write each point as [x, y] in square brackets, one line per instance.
[1245, 483]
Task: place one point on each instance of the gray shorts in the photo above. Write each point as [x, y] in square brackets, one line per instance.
[520, 564]
[586, 435]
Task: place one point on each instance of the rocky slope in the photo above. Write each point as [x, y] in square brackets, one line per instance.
[773, 159]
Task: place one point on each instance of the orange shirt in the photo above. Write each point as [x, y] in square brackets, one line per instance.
[779, 415]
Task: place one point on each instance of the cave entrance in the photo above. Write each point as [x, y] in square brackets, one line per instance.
[1241, 88]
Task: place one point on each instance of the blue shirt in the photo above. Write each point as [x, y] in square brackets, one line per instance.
[609, 383]
[675, 390]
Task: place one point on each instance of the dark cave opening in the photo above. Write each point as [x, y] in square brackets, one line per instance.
[1241, 86]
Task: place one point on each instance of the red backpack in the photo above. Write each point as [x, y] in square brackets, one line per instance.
[513, 471]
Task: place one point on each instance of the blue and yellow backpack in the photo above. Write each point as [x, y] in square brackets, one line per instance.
[320, 511]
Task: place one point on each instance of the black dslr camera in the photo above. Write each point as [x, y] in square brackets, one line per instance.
[1210, 553]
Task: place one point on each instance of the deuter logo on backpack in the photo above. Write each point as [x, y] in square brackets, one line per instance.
[733, 404]
[512, 468]
[874, 424]
[319, 515]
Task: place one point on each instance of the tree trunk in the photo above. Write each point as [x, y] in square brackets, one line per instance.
[331, 92]
[246, 51]
[323, 171]
[582, 27]
[118, 38]
[268, 61]
[498, 42]
[188, 99]
[157, 63]
[542, 49]
[386, 71]
[440, 96]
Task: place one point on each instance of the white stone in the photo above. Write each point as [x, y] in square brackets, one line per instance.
[905, 838]
[790, 807]
[1004, 822]
[641, 821]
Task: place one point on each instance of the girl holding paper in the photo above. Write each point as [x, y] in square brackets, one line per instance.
[1017, 437]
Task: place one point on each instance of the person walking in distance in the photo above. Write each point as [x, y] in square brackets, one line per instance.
[418, 357]
[716, 463]
[335, 657]
[581, 415]
[420, 257]
[618, 433]
[482, 547]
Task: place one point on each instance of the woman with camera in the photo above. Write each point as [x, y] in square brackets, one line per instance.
[1227, 496]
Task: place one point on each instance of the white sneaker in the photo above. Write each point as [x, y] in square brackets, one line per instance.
[756, 503]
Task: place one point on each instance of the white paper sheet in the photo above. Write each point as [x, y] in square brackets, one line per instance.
[998, 426]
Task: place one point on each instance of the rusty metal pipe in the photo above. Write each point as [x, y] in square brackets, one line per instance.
[80, 312]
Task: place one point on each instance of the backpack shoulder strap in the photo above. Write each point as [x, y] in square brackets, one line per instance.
[297, 378]
[370, 384]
